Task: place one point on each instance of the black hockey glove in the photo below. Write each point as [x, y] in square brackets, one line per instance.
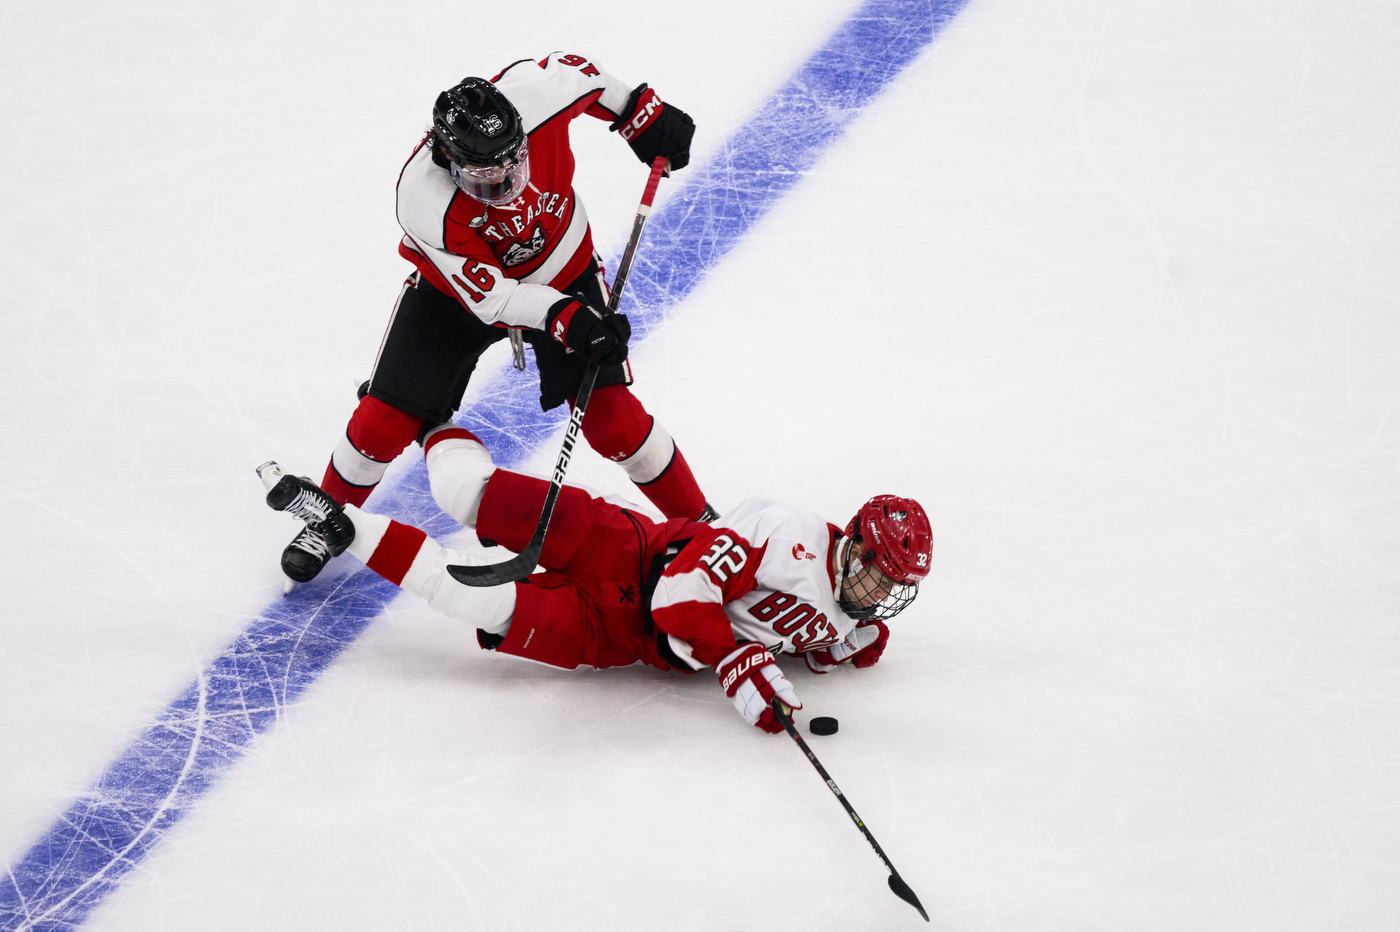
[586, 331]
[652, 128]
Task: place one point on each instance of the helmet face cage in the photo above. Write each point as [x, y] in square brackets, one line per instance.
[896, 546]
[867, 594]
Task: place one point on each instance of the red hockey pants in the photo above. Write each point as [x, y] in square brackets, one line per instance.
[587, 607]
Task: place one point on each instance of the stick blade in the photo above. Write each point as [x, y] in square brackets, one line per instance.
[495, 574]
[901, 890]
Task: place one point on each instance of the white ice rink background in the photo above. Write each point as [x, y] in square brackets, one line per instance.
[1108, 286]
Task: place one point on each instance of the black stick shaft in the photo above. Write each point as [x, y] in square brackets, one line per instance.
[897, 884]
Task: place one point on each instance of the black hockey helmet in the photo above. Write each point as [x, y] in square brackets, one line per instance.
[476, 125]
[482, 135]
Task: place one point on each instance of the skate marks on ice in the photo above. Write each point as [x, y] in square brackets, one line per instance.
[144, 793]
[146, 790]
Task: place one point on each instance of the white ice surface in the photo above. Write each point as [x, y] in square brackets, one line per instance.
[1109, 286]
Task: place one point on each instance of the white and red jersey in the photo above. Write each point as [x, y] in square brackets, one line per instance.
[506, 264]
[764, 572]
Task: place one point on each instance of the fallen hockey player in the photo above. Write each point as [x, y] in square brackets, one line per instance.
[618, 587]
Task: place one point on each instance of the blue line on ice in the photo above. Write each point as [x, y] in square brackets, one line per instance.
[141, 795]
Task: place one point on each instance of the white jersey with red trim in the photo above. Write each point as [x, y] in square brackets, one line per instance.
[761, 573]
[506, 264]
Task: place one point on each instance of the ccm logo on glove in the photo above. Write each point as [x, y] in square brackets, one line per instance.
[655, 129]
[647, 106]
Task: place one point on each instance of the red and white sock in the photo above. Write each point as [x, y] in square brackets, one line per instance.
[673, 490]
[619, 428]
[412, 560]
[377, 433]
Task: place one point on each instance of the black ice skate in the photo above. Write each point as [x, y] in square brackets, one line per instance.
[328, 528]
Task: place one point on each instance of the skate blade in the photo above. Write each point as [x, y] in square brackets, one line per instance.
[270, 472]
[287, 586]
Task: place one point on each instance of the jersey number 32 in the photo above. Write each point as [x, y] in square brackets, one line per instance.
[725, 558]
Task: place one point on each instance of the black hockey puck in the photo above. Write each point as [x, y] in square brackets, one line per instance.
[823, 725]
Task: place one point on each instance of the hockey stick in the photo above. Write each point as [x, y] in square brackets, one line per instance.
[517, 568]
[897, 884]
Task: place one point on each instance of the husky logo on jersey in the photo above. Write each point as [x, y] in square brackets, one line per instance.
[520, 253]
[800, 552]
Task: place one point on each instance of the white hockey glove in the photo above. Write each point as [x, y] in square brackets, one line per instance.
[862, 647]
[751, 677]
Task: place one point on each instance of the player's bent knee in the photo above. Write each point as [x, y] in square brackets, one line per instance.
[458, 469]
[379, 431]
[652, 458]
[617, 424]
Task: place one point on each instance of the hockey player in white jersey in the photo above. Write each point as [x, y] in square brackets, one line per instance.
[619, 588]
[500, 241]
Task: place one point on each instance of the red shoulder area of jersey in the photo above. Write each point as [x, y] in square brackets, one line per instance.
[728, 558]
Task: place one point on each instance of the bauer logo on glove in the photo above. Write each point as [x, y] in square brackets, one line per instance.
[751, 678]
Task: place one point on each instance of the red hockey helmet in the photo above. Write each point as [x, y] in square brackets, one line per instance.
[896, 541]
[896, 535]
